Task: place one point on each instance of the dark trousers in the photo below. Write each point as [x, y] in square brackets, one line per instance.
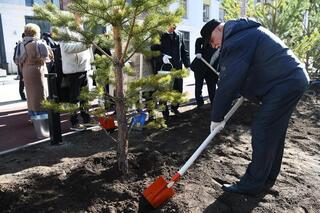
[268, 135]
[177, 85]
[77, 81]
[211, 81]
[21, 89]
[21, 85]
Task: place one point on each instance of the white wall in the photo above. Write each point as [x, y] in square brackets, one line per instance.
[13, 21]
[17, 2]
[194, 20]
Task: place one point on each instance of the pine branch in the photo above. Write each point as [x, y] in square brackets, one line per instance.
[93, 14]
[138, 48]
[130, 34]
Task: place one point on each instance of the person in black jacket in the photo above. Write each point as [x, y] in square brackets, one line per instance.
[203, 72]
[55, 66]
[19, 76]
[257, 64]
[174, 52]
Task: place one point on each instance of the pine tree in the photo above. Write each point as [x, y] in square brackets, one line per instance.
[134, 25]
[285, 18]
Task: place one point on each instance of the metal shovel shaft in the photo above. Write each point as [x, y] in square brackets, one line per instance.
[209, 65]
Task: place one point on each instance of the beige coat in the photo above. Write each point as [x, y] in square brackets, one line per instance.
[33, 70]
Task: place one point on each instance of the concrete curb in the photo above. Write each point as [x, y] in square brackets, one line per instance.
[9, 79]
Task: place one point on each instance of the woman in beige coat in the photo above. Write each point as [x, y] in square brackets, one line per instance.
[34, 53]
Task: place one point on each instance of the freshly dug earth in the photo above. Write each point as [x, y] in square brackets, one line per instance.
[81, 175]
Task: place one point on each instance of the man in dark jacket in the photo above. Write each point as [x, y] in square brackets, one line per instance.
[202, 71]
[19, 76]
[174, 51]
[55, 66]
[257, 64]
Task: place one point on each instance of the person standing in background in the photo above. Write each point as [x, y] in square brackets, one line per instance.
[32, 58]
[19, 76]
[174, 52]
[76, 62]
[203, 72]
[55, 66]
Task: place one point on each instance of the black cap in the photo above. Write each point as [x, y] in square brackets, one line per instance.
[208, 28]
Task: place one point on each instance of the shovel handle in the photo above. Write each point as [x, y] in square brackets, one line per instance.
[209, 65]
[205, 143]
[233, 109]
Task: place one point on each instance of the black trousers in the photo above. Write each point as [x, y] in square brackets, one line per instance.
[76, 82]
[211, 81]
[268, 135]
[177, 85]
[21, 85]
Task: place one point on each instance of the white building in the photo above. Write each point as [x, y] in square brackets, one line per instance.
[14, 14]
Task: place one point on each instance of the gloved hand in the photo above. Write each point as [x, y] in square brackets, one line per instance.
[166, 58]
[199, 55]
[219, 125]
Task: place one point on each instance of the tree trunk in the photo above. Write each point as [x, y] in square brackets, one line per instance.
[308, 33]
[122, 152]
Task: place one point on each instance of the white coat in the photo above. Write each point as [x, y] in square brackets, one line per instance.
[76, 57]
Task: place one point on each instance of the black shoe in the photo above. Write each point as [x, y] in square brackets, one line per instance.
[78, 127]
[199, 108]
[175, 111]
[234, 188]
[23, 99]
[200, 103]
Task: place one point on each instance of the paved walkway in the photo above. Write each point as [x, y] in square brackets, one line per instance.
[15, 127]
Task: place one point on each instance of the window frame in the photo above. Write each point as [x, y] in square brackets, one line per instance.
[206, 12]
[185, 7]
[186, 40]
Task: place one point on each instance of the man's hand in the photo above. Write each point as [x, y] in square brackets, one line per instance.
[219, 125]
[199, 55]
[166, 58]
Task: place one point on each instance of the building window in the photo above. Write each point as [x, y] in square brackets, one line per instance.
[3, 60]
[186, 39]
[185, 7]
[30, 3]
[206, 12]
[63, 4]
[221, 14]
[45, 26]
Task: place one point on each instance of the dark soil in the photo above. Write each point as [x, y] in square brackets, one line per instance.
[81, 175]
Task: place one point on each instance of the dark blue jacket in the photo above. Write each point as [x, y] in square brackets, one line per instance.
[252, 61]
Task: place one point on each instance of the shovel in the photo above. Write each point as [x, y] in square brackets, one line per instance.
[161, 190]
[209, 65]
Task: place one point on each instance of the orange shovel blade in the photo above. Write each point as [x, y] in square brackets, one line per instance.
[158, 192]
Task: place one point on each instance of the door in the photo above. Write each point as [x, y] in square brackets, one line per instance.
[44, 25]
[3, 60]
